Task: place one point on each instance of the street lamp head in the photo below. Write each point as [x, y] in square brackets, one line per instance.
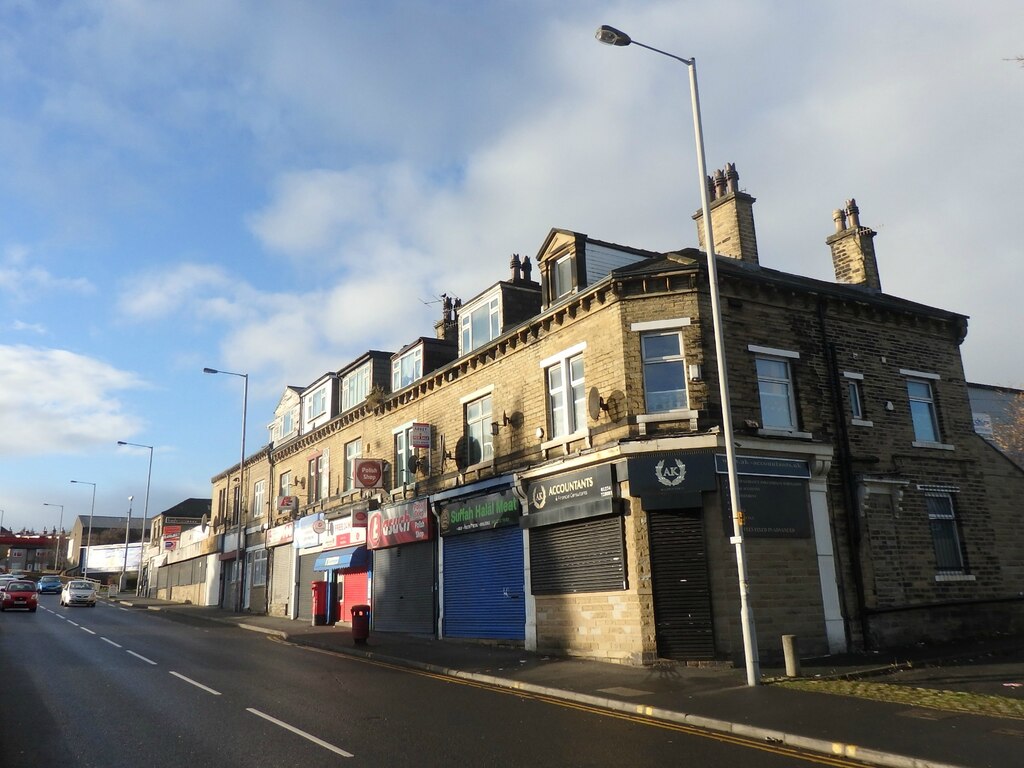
[130, 498]
[210, 370]
[612, 36]
[121, 442]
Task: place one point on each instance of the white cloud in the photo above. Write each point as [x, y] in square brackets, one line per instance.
[53, 401]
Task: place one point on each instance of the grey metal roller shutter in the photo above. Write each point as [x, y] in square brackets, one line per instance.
[679, 579]
[281, 586]
[483, 585]
[403, 589]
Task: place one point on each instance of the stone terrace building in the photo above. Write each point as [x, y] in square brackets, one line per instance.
[549, 470]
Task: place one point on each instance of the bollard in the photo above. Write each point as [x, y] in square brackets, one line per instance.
[792, 654]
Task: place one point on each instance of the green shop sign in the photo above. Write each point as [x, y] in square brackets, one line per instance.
[493, 510]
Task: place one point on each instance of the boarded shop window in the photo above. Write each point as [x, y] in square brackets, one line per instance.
[585, 556]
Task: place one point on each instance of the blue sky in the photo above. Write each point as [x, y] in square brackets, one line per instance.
[274, 188]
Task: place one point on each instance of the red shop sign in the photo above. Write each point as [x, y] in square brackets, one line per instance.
[399, 524]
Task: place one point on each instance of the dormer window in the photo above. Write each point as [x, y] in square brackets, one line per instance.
[316, 405]
[479, 324]
[406, 369]
[562, 276]
[355, 387]
[287, 424]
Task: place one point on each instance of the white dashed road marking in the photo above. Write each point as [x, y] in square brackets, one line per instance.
[197, 685]
[303, 734]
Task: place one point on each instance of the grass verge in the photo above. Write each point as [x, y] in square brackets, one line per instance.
[949, 701]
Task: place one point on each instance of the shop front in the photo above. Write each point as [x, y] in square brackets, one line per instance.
[481, 569]
[281, 582]
[402, 539]
[685, 497]
[578, 579]
[345, 563]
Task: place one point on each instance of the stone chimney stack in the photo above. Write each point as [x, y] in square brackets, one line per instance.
[732, 217]
[447, 327]
[853, 249]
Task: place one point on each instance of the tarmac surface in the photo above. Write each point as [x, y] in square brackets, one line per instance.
[906, 735]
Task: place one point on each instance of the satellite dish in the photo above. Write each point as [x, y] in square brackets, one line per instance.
[204, 523]
[615, 406]
[595, 404]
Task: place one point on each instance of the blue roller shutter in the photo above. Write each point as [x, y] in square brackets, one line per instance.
[483, 585]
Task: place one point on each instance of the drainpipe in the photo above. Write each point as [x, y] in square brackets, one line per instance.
[849, 484]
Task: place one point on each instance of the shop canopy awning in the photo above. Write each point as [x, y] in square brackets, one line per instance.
[349, 558]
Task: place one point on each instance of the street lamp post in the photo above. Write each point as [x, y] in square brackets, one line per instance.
[60, 529]
[241, 485]
[612, 36]
[127, 530]
[88, 540]
[145, 511]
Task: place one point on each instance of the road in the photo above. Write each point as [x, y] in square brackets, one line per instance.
[111, 687]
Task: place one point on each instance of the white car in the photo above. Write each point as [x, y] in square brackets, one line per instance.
[78, 592]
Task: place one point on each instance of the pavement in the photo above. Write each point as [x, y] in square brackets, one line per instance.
[918, 730]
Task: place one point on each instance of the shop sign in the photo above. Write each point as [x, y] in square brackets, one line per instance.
[493, 510]
[671, 480]
[182, 522]
[570, 489]
[287, 503]
[368, 473]
[305, 533]
[419, 435]
[399, 524]
[774, 499]
[281, 534]
[345, 533]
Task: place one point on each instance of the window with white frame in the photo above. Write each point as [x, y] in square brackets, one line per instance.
[284, 487]
[664, 371]
[355, 386]
[945, 537]
[775, 390]
[562, 276]
[316, 403]
[479, 325]
[406, 369]
[259, 568]
[566, 399]
[259, 498]
[404, 474]
[316, 480]
[479, 440]
[287, 423]
[922, 410]
[855, 397]
[353, 451]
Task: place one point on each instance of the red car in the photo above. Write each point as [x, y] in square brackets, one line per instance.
[19, 594]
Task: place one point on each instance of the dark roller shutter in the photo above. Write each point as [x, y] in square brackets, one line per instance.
[578, 557]
[483, 585]
[679, 578]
